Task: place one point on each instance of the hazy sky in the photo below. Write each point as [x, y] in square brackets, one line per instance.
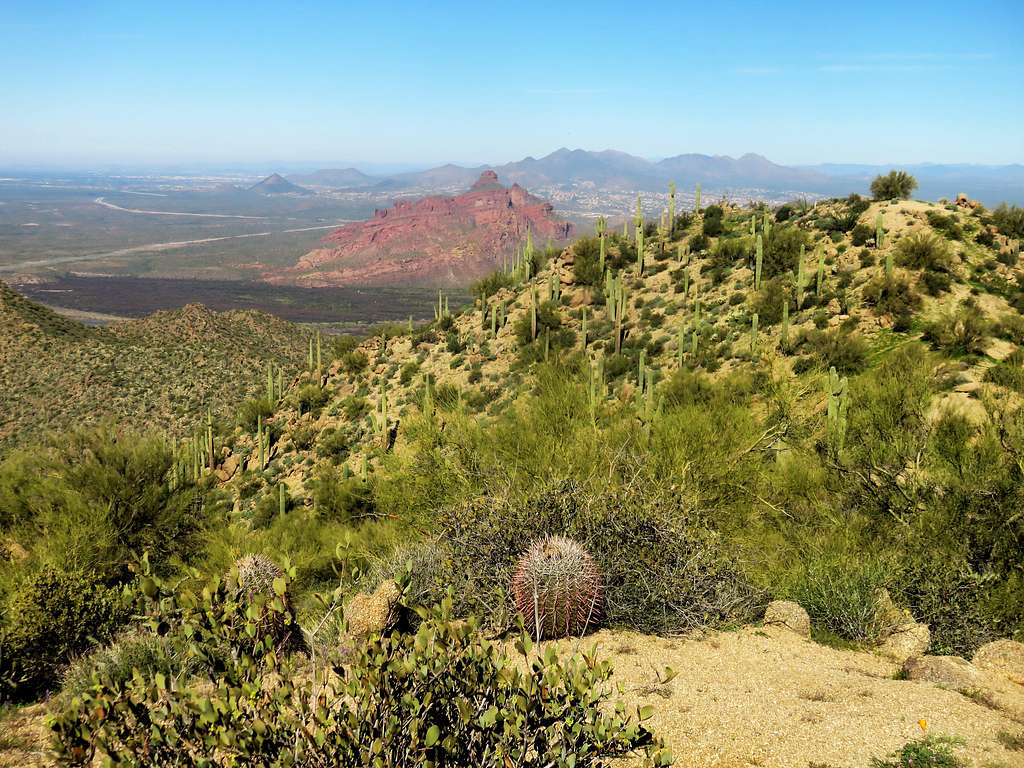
[800, 82]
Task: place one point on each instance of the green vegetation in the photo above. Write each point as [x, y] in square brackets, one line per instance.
[615, 444]
[895, 185]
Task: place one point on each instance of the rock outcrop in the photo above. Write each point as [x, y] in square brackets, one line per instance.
[790, 615]
[440, 241]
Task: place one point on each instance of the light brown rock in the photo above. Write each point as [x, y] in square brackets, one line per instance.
[951, 671]
[790, 615]
[1004, 657]
[375, 612]
[906, 642]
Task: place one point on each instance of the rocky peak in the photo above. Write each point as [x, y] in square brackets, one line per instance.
[488, 180]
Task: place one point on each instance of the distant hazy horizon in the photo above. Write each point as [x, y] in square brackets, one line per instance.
[101, 83]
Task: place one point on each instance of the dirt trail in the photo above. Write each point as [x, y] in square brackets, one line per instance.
[105, 204]
[769, 698]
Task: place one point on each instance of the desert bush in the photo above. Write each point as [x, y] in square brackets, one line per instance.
[841, 594]
[311, 398]
[1009, 219]
[129, 650]
[685, 581]
[354, 362]
[489, 285]
[768, 301]
[712, 225]
[341, 345]
[252, 411]
[929, 752]
[861, 234]
[340, 499]
[53, 615]
[892, 296]
[586, 267]
[895, 185]
[781, 249]
[964, 331]
[1008, 373]
[945, 224]
[923, 250]
[847, 352]
[484, 709]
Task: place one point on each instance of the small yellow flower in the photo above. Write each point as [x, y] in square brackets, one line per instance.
[923, 725]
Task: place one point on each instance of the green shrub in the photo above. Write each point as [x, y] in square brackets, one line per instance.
[354, 362]
[847, 352]
[408, 372]
[892, 296]
[923, 250]
[487, 286]
[841, 595]
[311, 398]
[339, 499]
[712, 226]
[129, 650]
[961, 332]
[861, 234]
[341, 345]
[252, 411]
[334, 444]
[781, 249]
[929, 752]
[768, 301]
[945, 224]
[1009, 220]
[586, 266]
[52, 616]
[895, 185]
[452, 698]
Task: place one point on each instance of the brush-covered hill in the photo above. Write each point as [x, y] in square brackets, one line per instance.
[713, 413]
[163, 371]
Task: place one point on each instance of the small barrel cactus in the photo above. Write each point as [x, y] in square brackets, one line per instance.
[557, 588]
[256, 575]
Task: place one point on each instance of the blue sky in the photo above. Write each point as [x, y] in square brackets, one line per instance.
[800, 82]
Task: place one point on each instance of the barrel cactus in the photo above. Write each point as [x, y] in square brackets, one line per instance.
[557, 588]
[256, 576]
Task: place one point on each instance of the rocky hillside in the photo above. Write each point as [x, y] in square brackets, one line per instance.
[696, 307]
[162, 371]
[441, 241]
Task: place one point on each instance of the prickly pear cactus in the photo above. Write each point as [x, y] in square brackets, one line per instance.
[557, 588]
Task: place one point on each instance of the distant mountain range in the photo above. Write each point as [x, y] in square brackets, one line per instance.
[614, 171]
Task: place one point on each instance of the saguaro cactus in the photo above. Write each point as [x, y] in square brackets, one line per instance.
[801, 280]
[758, 261]
[835, 413]
[671, 208]
[696, 197]
[753, 332]
[821, 271]
[784, 334]
[879, 231]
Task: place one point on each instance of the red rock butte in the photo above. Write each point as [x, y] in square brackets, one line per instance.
[433, 241]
